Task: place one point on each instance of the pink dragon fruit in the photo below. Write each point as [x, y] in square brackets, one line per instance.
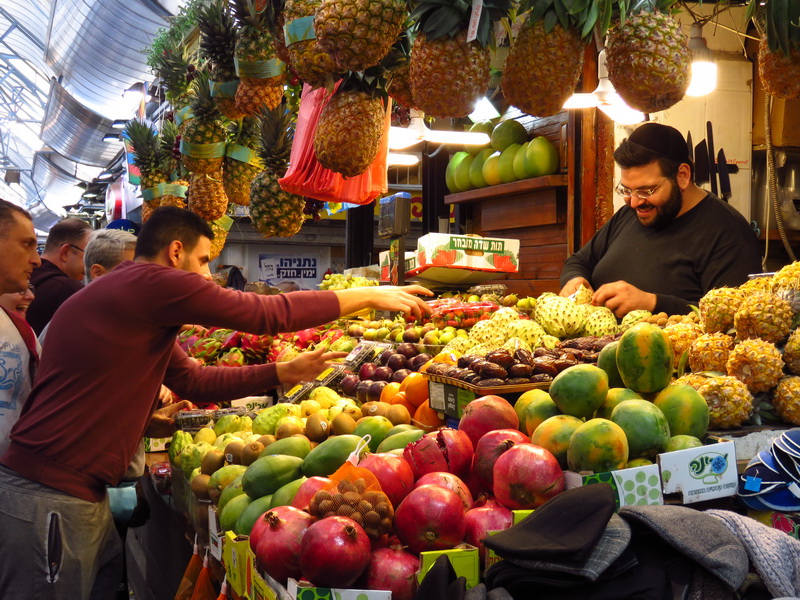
[306, 338]
[187, 341]
[255, 347]
[232, 358]
[228, 337]
[206, 349]
[330, 336]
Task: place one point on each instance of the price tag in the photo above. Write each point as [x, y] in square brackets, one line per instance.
[436, 395]
[214, 534]
[474, 19]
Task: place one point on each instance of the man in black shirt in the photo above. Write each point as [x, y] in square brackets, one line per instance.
[670, 243]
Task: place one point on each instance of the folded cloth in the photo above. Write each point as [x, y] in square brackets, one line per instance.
[694, 534]
[775, 555]
[564, 530]
[440, 582]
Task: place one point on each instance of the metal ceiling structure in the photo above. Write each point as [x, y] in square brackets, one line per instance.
[64, 65]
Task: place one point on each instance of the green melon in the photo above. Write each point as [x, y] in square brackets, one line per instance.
[290, 446]
[233, 489]
[250, 514]
[599, 445]
[579, 390]
[269, 473]
[536, 411]
[508, 132]
[685, 409]
[644, 358]
[644, 425]
[232, 511]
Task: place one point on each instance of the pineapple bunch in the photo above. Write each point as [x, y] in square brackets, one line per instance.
[261, 73]
[448, 74]
[756, 363]
[217, 46]
[220, 228]
[273, 211]
[398, 84]
[785, 399]
[350, 129]
[548, 50]
[648, 56]
[729, 401]
[204, 138]
[718, 308]
[176, 69]
[242, 162]
[791, 353]
[173, 194]
[681, 337]
[311, 63]
[709, 352]
[763, 315]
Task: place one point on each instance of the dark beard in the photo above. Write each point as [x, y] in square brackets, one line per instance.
[667, 212]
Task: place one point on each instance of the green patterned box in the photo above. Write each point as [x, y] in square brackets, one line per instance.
[305, 591]
[633, 487]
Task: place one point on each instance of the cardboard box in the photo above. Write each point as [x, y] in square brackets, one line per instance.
[156, 444]
[519, 515]
[497, 255]
[464, 559]
[700, 473]
[337, 594]
[383, 261]
[638, 486]
[235, 551]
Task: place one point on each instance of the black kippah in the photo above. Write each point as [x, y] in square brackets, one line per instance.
[660, 139]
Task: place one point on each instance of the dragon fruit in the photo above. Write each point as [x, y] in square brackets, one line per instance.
[188, 339]
[206, 349]
[280, 348]
[306, 338]
[232, 358]
[227, 337]
[331, 336]
[255, 347]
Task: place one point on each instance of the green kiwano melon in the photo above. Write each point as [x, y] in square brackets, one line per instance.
[250, 514]
[614, 397]
[644, 425]
[269, 473]
[553, 434]
[682, 442]
[599, 445]
[579, 390]
[644, 358]
[607, 360]
[685, 409]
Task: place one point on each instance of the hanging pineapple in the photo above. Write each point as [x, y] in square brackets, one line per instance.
[204, 138]
[177, 70]
[174, 190]
[448, 74]
[308, 59]
[358, 34]
[261, 73]
[220, 227]
[217, 45]
[648, 56]
[242, 162]
[397, 61]
[351, 126]
[779, 49]
[548, 51]
[273, 211]
[275, 20]
[206, 195]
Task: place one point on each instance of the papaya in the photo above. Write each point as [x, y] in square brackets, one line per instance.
[682, 442]
[607, 360]
[579, 390]
[269, 473]
[599, 445]
[330, 455]
[232, 511]
[536, 411]
[553, 434]
[615, 396]
[522, 403]
[233, 489]
[376, 427]
[399, 440]
[221, 478]
[644, 358]
[638, 462]
[250, 514]
[685, 409]
[644, 425]
[284, 495]
[289, 446]
[400, 428]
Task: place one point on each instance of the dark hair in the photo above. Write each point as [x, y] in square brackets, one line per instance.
[167, 224]
[68, 231]
[7, 210]
[630, 154]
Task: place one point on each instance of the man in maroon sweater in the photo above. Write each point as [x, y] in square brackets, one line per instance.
[109, 348]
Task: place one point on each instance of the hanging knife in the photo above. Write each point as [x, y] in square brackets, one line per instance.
[689, 144]
[724, 176]
[712, 157]
[701, 163]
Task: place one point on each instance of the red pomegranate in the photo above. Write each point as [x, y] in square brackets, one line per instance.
[488, 450]
[393, 473]
[486, 414]
[485, 500]
[308, 489]
[526, 476]
[443, 450]
[334, 552]
[451, 482]
[395, 570]
[431, 517]
[482, 520]
[278, 541]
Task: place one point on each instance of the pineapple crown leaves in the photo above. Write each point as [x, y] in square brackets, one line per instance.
[145, 143]
[203, 105]
[580, 16]
[782, 20]
[166, 144]
[247, 15]
[631, 7]
[276, 128]
[173, 66]
[217, 33]
[439, 18]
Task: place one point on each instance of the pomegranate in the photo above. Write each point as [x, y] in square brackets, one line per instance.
[488, 450]
[334, 552]
[526, 476]
[482, 520]
[486, 414]
[278, 541]
[395, 570]
[307, 490]
[484, 500]
[443, 450]
[392, 472]
[449, 481]
[431, 517]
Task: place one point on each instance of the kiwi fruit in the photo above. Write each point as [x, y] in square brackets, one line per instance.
[200, 486]
[398, 414]
[233, 452]
[375, 409]
[266, 440]
[317, 428]
[212, 461]
[286, 430]
[251, 452]
[343, 424]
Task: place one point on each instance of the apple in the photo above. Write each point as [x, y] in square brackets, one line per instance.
[367, 371]
[383, 374]
[401, 374]
[349, 384]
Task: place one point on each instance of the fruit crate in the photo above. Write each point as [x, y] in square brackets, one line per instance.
[483, 391]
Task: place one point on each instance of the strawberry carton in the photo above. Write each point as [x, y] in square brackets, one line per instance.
[462, 315]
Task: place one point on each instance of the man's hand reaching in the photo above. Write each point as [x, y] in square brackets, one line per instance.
[162, 421]
[393, 298]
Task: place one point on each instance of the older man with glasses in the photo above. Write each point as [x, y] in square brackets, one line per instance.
[671, 242]
[61, 272]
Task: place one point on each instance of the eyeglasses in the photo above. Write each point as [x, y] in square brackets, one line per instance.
[32, 289]
[641, 193]
[74, 247]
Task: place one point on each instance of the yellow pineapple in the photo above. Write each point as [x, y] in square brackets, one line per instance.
[729, 401]
[718, 308]
[791, 353]
[779, 73]
[218, 45]
[308, 59]
[206, 195]
[709, 352]
[756, 363]
[786, 399]
[242, 162]
[763, 315]
[220, 227]
[681, 336]
[204, 138]
[757, 284]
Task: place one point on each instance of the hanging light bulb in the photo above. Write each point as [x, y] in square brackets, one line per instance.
[704, 69]
[417, 131]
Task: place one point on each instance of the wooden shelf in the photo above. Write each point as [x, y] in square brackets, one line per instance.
[793, 235]
[508, 189]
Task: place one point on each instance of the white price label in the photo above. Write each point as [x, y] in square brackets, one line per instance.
[474, 19]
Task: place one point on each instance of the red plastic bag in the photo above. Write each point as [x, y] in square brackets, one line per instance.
[190, 575]
[204, 590]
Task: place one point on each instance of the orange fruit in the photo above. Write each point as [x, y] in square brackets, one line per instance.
[424, 367]
[446, 357]
[416, 388]
[427, 418]
[400, 398]
[389, 391]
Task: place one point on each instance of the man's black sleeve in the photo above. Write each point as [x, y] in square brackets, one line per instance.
[583, 262]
